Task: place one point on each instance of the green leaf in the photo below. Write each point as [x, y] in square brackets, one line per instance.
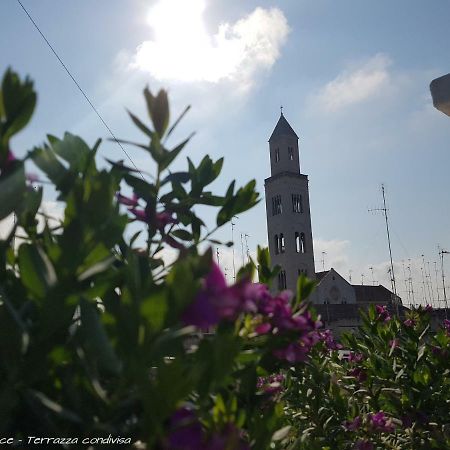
[12, 188]
[46, 160]
[304, 288]
[141, 125]
[95, 340]
[19, 101]
[97, 268]
[177, 177]
[73, 149]
[184, 235]
[154, 309]
[168, 157]
[158, 110]
[36, 270]
[178, 120]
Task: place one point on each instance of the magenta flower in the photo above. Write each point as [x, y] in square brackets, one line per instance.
[328, 338]
[216, 301]
[407, 421]
[131, 202]
[363, 445]
[271, 385]
[383, 313]
[410, 323]
[428, 308]
[230, 437]
[447, 326]
[358, 373]
[294, 352]
[263, 328]
[379, 422]
[353, 425]
[394, 343]
[186, 431]
[355, 357]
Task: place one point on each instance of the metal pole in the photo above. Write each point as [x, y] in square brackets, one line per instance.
[443, 280]
[232, 240]
[394, 287]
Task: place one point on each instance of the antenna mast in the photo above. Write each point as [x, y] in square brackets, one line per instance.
[442, 252]
[246, 246]
[232, 240]
[323, 260]
[384, 210]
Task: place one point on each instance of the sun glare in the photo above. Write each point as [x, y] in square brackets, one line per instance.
[182, 49]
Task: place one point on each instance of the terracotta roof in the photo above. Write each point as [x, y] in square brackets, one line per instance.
[282, 128]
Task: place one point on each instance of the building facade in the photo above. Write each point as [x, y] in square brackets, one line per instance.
[291, 247]
[287, 208]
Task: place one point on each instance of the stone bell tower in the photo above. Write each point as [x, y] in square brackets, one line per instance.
[287, 209]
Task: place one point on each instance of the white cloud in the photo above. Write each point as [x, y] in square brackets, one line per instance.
[335, 254]
[355, 85]
[183, 50]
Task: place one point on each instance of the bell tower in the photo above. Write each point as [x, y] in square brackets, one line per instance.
[287, 209]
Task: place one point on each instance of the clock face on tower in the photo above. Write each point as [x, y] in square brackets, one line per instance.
[335, 293]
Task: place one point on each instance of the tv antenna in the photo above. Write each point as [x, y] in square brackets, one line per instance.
[442, 253]
[232, 241]
[246, 246]
[384, 210]
[323, 260]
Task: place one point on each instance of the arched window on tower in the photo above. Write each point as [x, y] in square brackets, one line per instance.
[302, 243]
[291, 153]
[277, 245]
[277, 154]
[297, 242]
[282, 279]
[282, 243]
[277, 206]
[297, 203]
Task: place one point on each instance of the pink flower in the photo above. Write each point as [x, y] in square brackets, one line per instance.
[186, 431]
[394, 343]
[383, 313]
[163, 219]
[447, 326]
[358, 373]
[263, 328]
[379, 422]
[355, 357]
[327, 337]
[409, 323]
[353, 425]
[271, 385]
[132, 202]
[363, 445]
[294, 352]
[216, 301]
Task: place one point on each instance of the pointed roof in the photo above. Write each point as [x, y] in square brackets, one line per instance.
[282, 128]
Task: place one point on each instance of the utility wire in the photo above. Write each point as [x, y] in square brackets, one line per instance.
[79, 87]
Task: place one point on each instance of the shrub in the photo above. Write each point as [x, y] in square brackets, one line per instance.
[103, 342]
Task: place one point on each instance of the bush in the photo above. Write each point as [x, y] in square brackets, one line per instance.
[104, 343]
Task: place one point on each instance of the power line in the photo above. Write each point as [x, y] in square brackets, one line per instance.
[78, 86]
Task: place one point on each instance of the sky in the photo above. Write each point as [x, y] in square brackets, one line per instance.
[352, 76]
